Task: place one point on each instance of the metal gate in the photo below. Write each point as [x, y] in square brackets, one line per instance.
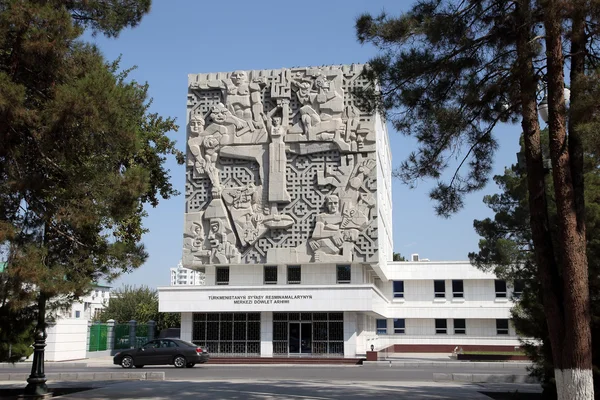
[121, 336]
[98, 337]
[142, 333]
[228, 334]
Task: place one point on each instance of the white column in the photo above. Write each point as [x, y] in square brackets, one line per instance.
[266, 334]
[186, 326]
[349, 334]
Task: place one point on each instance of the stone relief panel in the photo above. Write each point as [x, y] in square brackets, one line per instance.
[280, 168]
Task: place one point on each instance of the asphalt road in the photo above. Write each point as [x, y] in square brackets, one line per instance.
[302, 373]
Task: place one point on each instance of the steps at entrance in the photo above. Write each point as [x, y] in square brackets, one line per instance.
[286, 360]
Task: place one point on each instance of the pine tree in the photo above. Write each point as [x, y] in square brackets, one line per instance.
[506, 248]
[449, 72]
[81, 154]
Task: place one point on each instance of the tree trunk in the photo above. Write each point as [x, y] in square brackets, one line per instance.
[573, 372]
[538, 207]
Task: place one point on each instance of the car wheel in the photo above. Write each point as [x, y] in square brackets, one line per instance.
[179, 362]
[127, 362]
[139, 366]
[190, 365]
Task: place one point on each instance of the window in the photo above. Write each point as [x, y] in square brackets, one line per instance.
[439, 288]
[399, 289]
[399, 325]
[441, 326]
[500, 288]
[458, 289]
[460, 327]
[270, 274]
[382, 326]
[501, 327]
[343, 273]
[222, 275]
[518, 288]
[293, 274]
[77, 314]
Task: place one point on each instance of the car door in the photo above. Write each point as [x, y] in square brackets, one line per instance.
[166, 351]
[147, 354]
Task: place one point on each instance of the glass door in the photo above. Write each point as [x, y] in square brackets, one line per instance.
[300, 338]
[294, 338]
[306, 338]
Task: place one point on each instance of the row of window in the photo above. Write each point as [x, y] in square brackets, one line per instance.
[294, 274]
[458, 291]
[441, 326]
[344, 274]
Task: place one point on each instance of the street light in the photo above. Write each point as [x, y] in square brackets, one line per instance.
[543, 106]
[36, 383]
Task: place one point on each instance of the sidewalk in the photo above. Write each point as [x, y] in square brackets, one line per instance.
[285, 389]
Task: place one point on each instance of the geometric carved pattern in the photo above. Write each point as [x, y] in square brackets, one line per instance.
[306, 202]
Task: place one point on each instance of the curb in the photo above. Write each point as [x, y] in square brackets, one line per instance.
[450, 364]
[89, 376]
[484, 378]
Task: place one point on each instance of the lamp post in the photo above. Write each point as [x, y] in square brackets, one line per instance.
[543, 113]
[543, 106]
[36, 383]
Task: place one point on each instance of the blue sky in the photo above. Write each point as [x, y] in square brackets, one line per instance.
[183, 37]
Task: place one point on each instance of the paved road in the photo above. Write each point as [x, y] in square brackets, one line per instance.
[303, 373]
[270, 389]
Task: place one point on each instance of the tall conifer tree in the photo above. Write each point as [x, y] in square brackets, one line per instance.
[81, 154]
[451, 71]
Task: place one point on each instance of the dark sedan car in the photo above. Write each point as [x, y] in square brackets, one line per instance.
[177, 352]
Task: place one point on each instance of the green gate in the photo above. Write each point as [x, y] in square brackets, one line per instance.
[98, 337]
[121, 336]
[141, 334]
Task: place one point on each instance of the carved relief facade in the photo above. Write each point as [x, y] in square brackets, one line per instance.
[280, 168]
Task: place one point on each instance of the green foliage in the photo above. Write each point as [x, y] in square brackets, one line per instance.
[16, 330]
[80, 152]
[444, 73]
[140, 304]
[398, 257]
[18, 348]
[108, 16]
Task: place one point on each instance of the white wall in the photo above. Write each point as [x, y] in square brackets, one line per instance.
[67, 340]
[384, 193]
[350, 328]
[266, 334]
[383, 341]
[186, 326]
[426, 270]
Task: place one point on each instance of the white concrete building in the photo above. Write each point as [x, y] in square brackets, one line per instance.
[289, 213]
[186, 276]
[90, 306]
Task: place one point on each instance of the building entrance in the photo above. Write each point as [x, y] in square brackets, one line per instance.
[317, 334]
[300, 337]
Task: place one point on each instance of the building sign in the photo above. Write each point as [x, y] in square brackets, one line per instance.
[262, 299]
